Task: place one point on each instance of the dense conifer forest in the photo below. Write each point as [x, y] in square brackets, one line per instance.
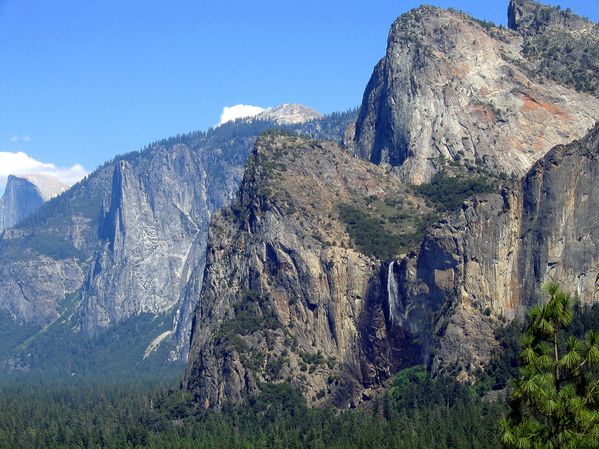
[417, 412]
[150, 411]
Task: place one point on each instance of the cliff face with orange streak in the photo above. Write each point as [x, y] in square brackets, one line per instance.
[450, 87]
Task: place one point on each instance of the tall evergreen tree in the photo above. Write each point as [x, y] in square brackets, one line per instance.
[555, 401]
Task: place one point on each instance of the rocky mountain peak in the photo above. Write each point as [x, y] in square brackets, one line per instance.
[48, 186]
[557, 44]
[23, 195]
[453, 88]
[529, 17]
[289, 114]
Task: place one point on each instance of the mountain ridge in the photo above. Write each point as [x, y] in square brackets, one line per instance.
[97, 253]
[455, 106]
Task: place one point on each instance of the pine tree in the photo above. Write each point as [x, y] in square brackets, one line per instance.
[555, 401]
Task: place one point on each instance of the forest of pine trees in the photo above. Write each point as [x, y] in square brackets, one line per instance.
[415, 411]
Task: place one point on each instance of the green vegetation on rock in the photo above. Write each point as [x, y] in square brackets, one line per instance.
[387, 227]
[370, 234]
[60, 352]
[567, 58]
[448, 192]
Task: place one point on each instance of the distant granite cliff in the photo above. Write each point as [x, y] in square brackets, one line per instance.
[289, 114]
[130, 239]
[24, 195]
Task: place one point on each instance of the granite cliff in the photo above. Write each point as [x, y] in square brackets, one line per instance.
[125, 240]
[326, 273]
[129, 240]
[333, 267]
[485, 264]
[557, 44]
[451, 87]
[289, 114]
[24, 195]
[289, 294]
[286, 294]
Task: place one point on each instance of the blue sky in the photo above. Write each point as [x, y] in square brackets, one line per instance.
[81, 81]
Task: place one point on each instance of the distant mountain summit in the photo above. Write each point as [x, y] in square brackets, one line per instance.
[24, 195]
[47, 185]
[289, 114]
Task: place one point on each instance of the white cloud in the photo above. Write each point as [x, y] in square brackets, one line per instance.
[239, 111]
[22, 164]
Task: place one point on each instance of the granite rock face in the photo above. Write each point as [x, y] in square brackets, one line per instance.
[147, 232]
[124, 241]
[451, 88]
[486, 263]
[153, 234]
[558, 44]
[288, 297]
[289, 114]
[49, 186]
[42, 259]
[530, 17]
[285, 297]
[130, 239]
[24, 195]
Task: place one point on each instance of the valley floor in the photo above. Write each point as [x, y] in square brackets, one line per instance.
[417, 412]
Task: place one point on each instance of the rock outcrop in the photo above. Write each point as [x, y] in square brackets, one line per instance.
[291, 293]
[451, 87]
[42, 259]
[285, 296]
[557, 44]
[487, 263]
[529, 17]
[147, 231]
[24, 195]
[125, 241]
[289, 114]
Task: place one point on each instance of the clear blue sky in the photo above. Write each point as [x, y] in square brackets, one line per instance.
[81, 81]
